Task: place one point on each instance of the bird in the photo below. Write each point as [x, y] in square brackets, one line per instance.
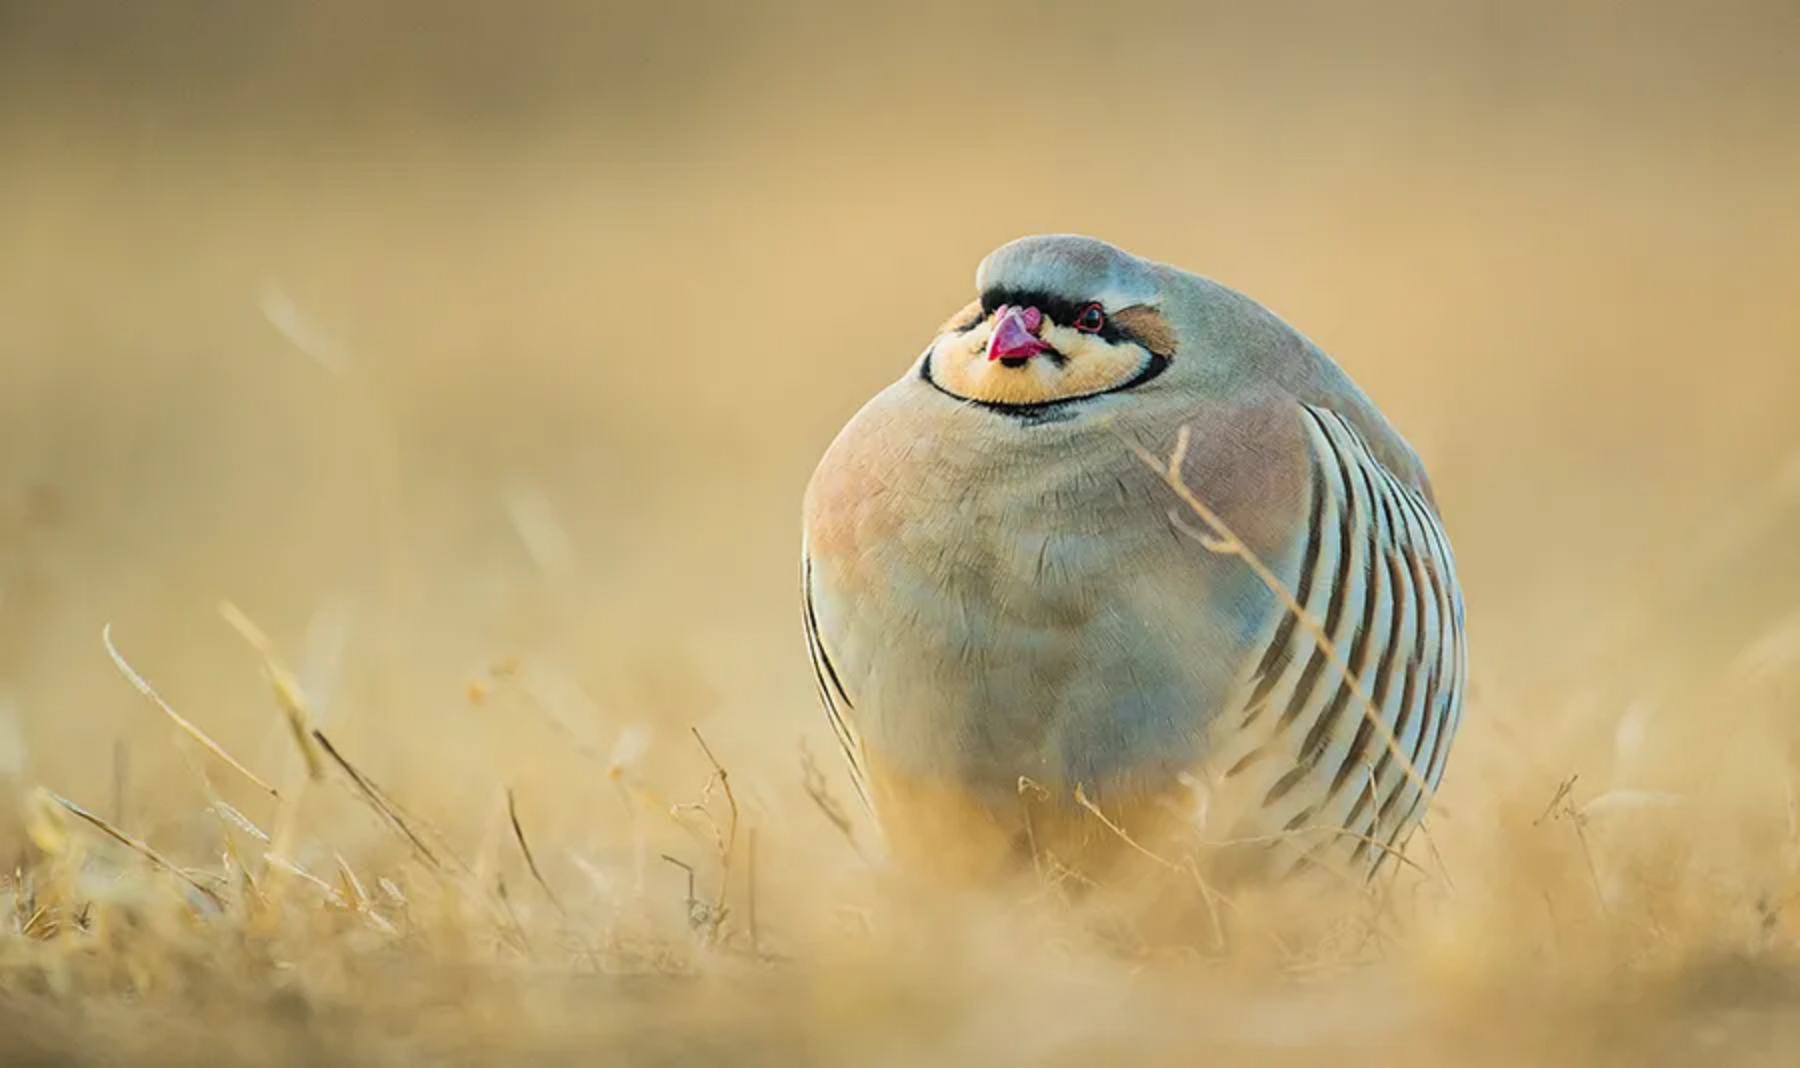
[1121, 563]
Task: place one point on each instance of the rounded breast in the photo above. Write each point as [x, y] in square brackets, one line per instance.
[1004, 600]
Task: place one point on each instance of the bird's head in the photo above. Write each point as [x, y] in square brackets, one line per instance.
[1059, 319]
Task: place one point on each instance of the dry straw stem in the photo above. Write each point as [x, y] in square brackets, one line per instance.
[359, 896]
[633, 794]
[1222, 540]
[291, 701]
[380, 803]
[231, 818]
[439, 861]
[697, 913]
[241, 821]
[287, 688]
[312, 741]
[143, 849]
[352, 886]
[227, 815]
[726, 840]
[518, 829]
[187, 726]
[812, 780]
[1082, 799]
[1207, 894]
[1562, 806]
[330, 892]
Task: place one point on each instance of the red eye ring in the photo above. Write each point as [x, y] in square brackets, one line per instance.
[1091, 320]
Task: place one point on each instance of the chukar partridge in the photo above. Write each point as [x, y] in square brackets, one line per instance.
[1028, 640]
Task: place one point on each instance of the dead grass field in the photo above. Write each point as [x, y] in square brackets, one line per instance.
[478, 357]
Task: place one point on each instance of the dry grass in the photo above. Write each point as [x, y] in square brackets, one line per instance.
[1628, 921]
[476, 363]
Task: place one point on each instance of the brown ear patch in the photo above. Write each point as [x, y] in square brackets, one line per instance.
[962, 320]
[1147, 327]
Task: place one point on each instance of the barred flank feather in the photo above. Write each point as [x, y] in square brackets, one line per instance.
[831, 689]
[1377, 570]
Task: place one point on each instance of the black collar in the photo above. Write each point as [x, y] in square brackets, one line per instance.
[1053, 411]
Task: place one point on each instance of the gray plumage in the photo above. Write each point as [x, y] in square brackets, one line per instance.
[1003, 608]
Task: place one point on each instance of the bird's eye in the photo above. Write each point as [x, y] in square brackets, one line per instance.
[1091, 319]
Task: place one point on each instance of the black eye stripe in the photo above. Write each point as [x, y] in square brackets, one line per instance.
[1059, 310]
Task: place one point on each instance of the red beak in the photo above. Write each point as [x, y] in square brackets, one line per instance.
[1015, 334]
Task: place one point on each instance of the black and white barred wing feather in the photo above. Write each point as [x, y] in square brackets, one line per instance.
[1338, 745]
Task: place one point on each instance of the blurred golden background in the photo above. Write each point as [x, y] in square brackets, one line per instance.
[434, 335]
